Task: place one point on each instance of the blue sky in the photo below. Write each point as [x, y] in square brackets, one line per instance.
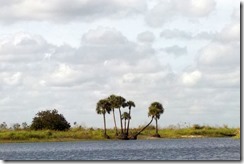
[69, 54]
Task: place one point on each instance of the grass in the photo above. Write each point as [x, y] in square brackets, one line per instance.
[77, 134]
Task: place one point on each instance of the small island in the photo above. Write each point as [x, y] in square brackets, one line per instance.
[50, 126]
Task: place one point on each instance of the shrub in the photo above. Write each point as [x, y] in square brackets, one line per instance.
[49, 120]
[196, 126]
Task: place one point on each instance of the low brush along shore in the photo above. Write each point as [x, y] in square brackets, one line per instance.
[79, 134]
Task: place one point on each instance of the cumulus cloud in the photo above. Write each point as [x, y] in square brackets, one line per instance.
[175, 33]
[146, 37]
[11, 79]
[166, 11]
[186, 35]
[191, 78]
[23, 47]
[192, 8]
[219, 55]
[175, 50]
[103, 36]
[230, 33]
[63, 11]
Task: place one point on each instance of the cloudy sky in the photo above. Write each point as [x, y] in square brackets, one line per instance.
[69, 54]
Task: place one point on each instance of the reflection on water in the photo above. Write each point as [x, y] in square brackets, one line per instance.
[161, 149]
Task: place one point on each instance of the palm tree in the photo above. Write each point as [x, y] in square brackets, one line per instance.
[103, 107]
[112, 100]
[120, 103]
[155, 110]
[125, 116]
[129, 104]
[135, 136]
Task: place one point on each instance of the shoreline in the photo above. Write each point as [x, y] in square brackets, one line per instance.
[89, 134]
[84, 140]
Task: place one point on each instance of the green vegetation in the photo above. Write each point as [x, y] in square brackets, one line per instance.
[103, 107]
[49, 120]
[117, 102]
[110, 104]
[80, 133]
[50, 126]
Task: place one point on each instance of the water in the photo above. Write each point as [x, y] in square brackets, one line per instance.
[160, 149]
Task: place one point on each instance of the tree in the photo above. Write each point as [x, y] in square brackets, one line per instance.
[117, 102]
[120, 103]
[112, 101]
[103, 107]
[3, 126]
[125, 116]
[50, 119]
[135, 136]
[25, 125]
[16, 126]
[129, 104]
[155, 110]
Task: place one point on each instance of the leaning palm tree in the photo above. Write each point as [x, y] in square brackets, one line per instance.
[103, 107]
[125, 116]
[155, 110]
[129, 104]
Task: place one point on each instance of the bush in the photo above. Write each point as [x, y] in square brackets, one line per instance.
[196, 126]
[49, 120]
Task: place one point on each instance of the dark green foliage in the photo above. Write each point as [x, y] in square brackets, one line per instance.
[16, 126]
[196, 126]
[3, 126]
[103, 107]
[49, 119]
[155, 110]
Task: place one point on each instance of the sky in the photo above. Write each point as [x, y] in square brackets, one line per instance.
[67, 55]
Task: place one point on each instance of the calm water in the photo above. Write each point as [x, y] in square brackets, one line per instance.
[161, 149]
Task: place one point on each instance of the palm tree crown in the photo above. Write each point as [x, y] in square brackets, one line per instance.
[126, 116]
[129, 104]
[155, 110]
[103, 106]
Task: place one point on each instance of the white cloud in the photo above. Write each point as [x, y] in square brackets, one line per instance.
[103, 36]
[22, 47]
[175, 33]
[230, 33]
[63, 11]
[175, 50]
[192, 78]
[166, 11]
[192, 8]
[216, 54]
[180, 34]
[11, 79]
[146, 37]
[228, 79]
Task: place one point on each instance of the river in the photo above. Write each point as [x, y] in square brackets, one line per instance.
[158, 149]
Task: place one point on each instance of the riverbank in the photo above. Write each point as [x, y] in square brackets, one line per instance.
[81, 134]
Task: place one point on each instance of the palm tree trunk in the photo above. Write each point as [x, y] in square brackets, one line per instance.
[116, 133]
[135, 136]
[156, 125]
[128, 126]
[104, 123]
[125, 125]
[121, 121]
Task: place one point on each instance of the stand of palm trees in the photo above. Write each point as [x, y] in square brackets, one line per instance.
[113, 102]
